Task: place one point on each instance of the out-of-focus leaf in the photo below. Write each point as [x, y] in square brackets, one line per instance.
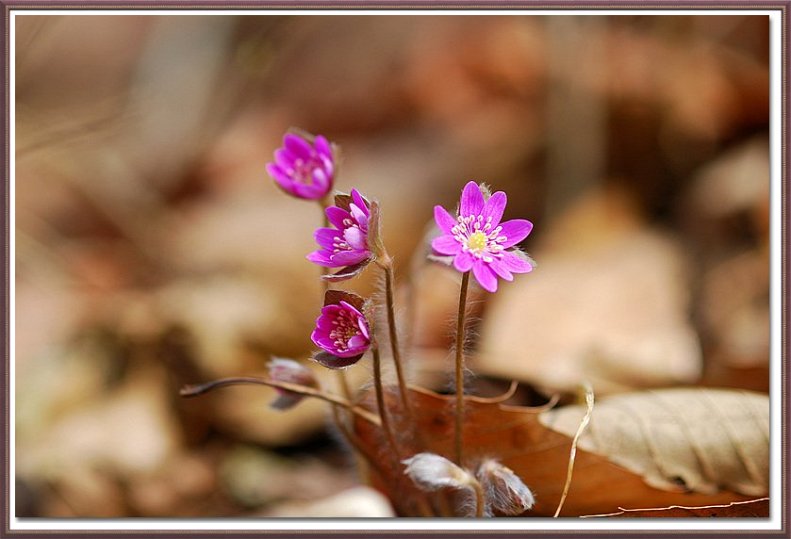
[607, 303]
[700, 440]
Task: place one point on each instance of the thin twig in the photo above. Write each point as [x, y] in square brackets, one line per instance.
[200, 389]
[573, 453]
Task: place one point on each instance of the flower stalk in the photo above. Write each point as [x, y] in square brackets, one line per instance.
[380, 400]
[200, 389]
[386, 263]
[460, 337]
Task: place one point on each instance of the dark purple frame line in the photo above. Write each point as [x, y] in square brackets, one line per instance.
[6, 6]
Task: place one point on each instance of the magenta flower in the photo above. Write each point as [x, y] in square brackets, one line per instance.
[341, 330]
[477, 239]
[288, 370]
[345, 244]
[302, 168]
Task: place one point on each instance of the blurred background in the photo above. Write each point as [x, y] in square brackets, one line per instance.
[153, 251]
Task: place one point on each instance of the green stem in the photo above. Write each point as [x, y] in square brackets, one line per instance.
[460, 328]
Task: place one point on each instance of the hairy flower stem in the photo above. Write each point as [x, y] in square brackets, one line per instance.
[460, 330]
[200, 389]
[479, 499]
[380, 400]
[387, 266]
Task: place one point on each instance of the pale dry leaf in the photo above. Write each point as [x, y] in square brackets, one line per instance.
[698, 440]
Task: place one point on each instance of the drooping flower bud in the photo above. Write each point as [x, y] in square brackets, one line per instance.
[433, 472]
[288, 370]
[503, 490]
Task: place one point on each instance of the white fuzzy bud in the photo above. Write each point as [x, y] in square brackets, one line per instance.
[433, 472]
[503, 489]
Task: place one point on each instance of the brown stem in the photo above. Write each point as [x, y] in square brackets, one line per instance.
[479, 500]
[200, 389]
[387, 265]
[363, 453]
[380, 401]
[460, 328]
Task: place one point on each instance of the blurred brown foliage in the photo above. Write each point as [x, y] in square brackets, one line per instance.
[153, 251]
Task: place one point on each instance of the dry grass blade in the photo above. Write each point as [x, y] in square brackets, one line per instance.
[589, 400]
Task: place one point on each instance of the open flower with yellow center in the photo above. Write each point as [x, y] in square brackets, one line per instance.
[477, 239]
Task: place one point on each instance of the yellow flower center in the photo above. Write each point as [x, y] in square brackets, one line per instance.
[477, 242]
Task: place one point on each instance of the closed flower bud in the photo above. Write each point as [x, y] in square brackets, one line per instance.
[432, 472]
[503, 490]
[288, 370]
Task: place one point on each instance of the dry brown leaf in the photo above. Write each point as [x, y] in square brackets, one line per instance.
[752, 508]
[537, 454]
[703, 440]
[608, 303]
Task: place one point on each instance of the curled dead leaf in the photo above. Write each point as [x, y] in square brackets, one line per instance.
[537, 454]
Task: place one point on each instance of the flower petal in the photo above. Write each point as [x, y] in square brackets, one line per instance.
[445, 221]
[359, 215]
[360, 201]
[282, 179]
[463, 262]
[515, 264]
[336, 215]
[322, 146]
[446, 245]
[471, 200]
[327, 237]
[309, 192]
[285, 159]
[297, 146]
[501, 269]
[357, 342]
[356, 238]
[321, 181]
[348, 258]
[515, 231]
[485, 276]
[320, 257]
[494, 208]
